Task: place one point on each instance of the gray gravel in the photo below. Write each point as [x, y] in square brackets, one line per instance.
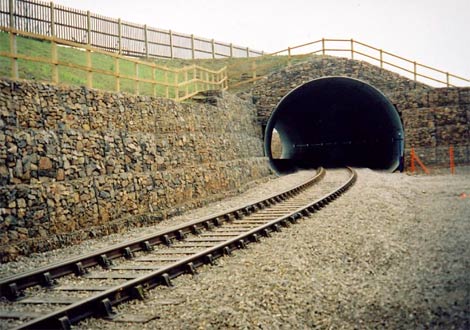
[275, 184]
[391, 253]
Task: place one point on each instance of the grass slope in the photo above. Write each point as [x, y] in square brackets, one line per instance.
[239, 69]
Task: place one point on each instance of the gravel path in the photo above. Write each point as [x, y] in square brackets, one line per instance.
[393, 252]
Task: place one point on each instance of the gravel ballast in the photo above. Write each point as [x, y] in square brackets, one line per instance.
[393, 252]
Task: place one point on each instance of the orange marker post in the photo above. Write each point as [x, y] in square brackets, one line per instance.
[415, 158]
[412, 160]
[451, 160]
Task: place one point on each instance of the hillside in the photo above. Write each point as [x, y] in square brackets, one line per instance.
[238, 69]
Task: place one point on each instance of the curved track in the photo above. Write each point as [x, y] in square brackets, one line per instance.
[100, 280]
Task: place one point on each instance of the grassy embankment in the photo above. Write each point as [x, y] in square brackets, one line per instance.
[238, 68]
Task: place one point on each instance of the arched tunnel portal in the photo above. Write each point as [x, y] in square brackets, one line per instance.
[335, 121]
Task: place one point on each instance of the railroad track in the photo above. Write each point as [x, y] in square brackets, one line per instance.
[98, 281]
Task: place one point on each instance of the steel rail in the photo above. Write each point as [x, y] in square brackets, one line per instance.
[101, 304]
[12, 287]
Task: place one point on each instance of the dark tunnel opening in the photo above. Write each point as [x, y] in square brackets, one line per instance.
[335, 121]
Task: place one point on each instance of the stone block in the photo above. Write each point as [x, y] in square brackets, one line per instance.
[452, 134]
[420, 137]
[77, 162]
[450, 115]
[443, 97]
[464, 95]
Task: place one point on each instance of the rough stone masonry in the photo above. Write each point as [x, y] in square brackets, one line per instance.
[77, 163]
[433, 118]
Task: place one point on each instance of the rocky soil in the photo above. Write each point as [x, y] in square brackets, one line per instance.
[391, 253]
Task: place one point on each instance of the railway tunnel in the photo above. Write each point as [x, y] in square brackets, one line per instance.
[335, 121]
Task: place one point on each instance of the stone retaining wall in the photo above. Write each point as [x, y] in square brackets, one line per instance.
[434, 121]
[433, 118]
[76, 162]
[270, 90]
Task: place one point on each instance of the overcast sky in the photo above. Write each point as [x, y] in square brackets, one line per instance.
[432, 32]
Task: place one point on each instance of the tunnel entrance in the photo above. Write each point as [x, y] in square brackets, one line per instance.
[335, 121]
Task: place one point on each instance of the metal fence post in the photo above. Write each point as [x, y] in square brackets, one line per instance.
[231, 50]
[247, 52]
[323, 46]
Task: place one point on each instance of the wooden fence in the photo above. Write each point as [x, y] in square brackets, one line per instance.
[111, 34]
[357, 50]
[139, 76]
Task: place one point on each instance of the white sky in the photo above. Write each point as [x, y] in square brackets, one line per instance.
[432, 32]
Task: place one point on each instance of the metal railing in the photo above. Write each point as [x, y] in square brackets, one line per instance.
[357, 50]
[111, 34]
[143, 77]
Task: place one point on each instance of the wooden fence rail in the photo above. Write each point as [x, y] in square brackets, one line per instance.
[111, 34]
[178, 84]
[361, 51]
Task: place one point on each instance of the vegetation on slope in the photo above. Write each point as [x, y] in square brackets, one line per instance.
[239, 69]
